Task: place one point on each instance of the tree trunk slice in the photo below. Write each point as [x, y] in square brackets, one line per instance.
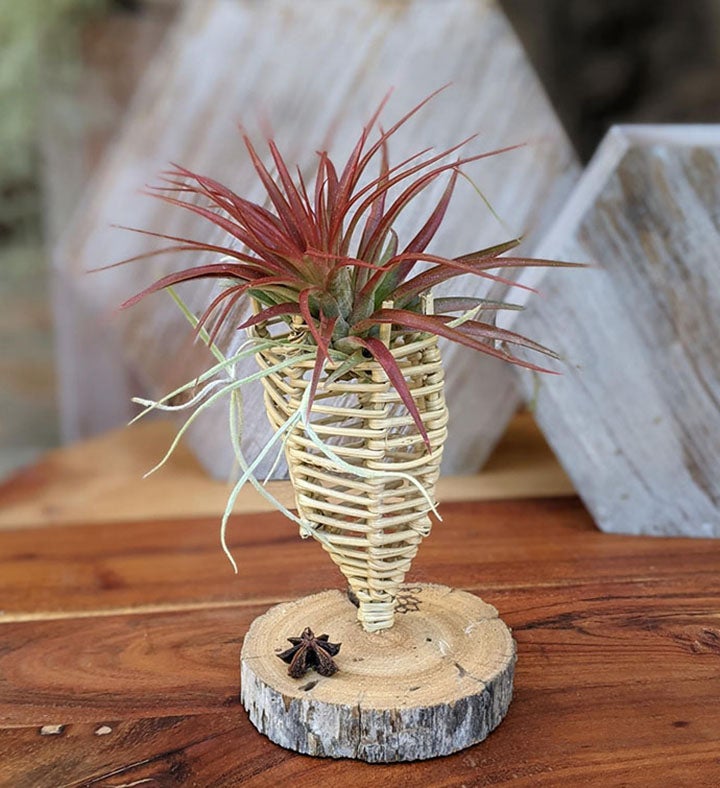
[437, 682]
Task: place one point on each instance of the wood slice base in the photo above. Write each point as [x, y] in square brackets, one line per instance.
[438, 681]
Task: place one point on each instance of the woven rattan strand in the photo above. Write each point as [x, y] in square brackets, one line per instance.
[371, 527]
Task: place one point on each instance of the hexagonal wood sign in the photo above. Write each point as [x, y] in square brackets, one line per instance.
[635, 419]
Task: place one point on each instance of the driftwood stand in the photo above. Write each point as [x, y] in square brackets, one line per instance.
[438, 681]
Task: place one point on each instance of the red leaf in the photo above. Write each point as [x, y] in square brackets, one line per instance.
[470, 264]
[276, 196]
[422, 182]
[264, 228]
[304, 193]
[490, 251]
[427, 232]
[232, 228]
[235, 294]
[538, 262]
[302, 220]
[441, 273]
[216, 271]
[434, 324]
[345, 188]
[278, 310]
[493, 333]
[388, 283]
[184, 245]
[322, 336]
[304, 304]
[387, 361]
[377, 207]
[231, 293]
[342, 261]
[387, 134]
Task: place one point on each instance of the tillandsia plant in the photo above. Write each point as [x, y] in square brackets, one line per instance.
[345, 331]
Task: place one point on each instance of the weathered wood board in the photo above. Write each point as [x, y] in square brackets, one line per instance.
[221, 65]
[82, 106]
[635, 419]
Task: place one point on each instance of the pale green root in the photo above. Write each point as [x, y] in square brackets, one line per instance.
[228, 364]
[242, 462]
[248, 473]
[307, 528]
[276, 461]
[236, 384]
[489, 206]
[465, 316]
[158, 404]
[193, 320]
[232, 386]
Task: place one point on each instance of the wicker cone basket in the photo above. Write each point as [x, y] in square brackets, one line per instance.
[370, 524]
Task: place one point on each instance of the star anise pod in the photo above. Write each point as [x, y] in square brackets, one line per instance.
[308, 652]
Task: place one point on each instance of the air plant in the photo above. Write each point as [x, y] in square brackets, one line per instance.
[325, 255]
[330, 255]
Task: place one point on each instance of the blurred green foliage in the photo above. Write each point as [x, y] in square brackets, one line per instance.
[25, 29]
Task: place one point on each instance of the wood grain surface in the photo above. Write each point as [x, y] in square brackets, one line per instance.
[635, 418]
[127, 635]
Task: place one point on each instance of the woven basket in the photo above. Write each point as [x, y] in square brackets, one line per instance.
[371, 527]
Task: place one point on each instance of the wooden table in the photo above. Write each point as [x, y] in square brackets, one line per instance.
[122, 627]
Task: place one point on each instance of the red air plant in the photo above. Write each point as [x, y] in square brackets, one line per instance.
[327, 253]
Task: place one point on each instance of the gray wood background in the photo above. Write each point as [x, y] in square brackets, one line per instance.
[232, 60]
[635, 418]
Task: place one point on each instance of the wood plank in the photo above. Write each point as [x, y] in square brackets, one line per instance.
[187, 108]
[173, 748]
[116, 667]
[635, 417]
[220, 750]
[618, 640]
[126, 636]
[74, 571]
[608, 694]
[110, 469]
[186, 662]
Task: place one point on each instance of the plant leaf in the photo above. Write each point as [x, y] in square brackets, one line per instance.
[487, 331]
[387, 361]
[216, 271]
[435, 324]
[462, 304]
[279, 310]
